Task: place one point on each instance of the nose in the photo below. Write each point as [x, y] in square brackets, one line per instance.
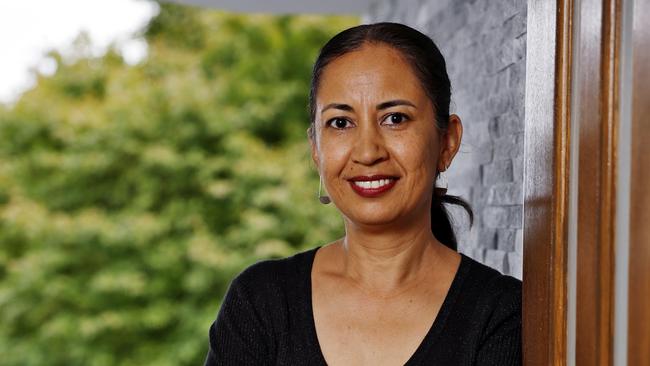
[369, 148]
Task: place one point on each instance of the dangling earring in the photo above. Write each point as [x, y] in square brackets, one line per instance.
[441, 185]
[324, 199]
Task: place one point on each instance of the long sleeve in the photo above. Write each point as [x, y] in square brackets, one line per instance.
[502, 338]
[239, 335]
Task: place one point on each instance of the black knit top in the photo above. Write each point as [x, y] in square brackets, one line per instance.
[266, 318]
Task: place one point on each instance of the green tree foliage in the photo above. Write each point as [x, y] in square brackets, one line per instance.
[131, 195]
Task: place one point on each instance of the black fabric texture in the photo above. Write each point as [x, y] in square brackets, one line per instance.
[266, 318]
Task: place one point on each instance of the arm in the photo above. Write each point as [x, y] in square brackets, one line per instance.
[501, 343]
[239, 335]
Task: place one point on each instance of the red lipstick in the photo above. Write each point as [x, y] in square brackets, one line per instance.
[372, 186]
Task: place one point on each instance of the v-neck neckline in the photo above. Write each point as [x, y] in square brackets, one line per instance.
[432, 334]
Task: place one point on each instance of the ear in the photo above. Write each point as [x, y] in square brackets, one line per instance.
[450, 142]
[314, 151]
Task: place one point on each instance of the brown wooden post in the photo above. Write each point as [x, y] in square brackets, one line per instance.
[639, 271]
[597, 81]
[548, 99]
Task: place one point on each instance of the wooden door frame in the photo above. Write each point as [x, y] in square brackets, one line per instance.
[549, 109]
[639, 275]
[597, 102]
[561, 35]
[546, 182]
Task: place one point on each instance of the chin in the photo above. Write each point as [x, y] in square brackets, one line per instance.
[372, 215]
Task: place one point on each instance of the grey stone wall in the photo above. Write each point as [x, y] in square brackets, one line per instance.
[484, 43]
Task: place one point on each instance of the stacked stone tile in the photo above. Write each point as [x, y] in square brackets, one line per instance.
[484, 43]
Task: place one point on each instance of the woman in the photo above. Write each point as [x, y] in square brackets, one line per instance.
[393, 290]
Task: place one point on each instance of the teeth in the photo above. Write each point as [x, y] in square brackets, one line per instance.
[372, 183]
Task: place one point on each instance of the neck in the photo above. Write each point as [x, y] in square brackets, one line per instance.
[388, 260]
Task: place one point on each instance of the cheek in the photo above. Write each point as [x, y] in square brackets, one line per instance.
[418, 156]
[333, 154]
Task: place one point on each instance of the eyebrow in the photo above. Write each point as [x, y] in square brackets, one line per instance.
[380, 106]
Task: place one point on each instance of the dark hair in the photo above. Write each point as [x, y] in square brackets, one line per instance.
[429, 67]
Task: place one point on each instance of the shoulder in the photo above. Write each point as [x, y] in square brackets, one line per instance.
[261, 291]
[491, 305]
[489, 282]
[496, 297]
[274, 274]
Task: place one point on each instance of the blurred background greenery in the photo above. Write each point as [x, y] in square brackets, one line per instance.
[131, 195]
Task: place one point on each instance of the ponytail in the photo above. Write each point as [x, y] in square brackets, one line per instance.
[441, 222]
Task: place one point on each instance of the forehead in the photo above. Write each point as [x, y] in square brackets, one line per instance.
[374, 71]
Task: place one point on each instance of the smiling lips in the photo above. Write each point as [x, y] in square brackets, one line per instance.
[372, 186]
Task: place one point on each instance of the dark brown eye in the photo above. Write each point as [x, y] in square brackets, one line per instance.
[396, 118]
[338, 123]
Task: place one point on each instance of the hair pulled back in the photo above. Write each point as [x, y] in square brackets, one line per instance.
[429, 67]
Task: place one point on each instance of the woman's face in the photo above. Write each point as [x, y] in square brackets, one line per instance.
[376, 144]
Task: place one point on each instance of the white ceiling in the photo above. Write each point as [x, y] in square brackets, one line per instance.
[285, 6]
